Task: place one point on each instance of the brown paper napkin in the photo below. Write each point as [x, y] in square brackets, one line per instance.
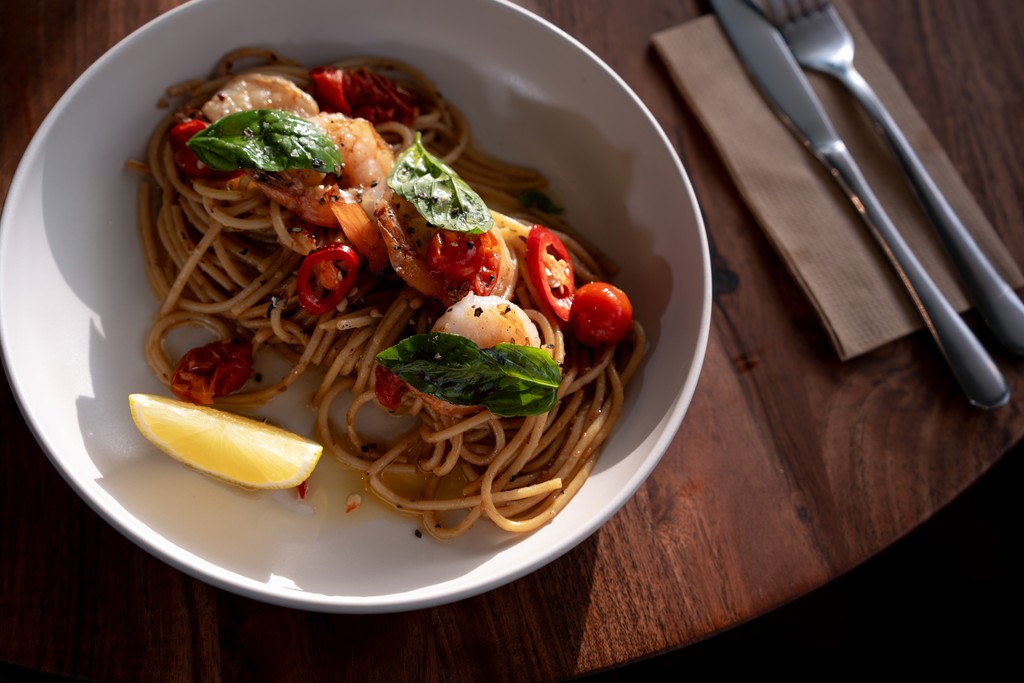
[801, 209]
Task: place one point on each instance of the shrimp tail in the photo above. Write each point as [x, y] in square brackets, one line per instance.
[311, 203]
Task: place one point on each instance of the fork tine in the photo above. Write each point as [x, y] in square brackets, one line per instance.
[810, 6]
[777, 12]
[782, 12]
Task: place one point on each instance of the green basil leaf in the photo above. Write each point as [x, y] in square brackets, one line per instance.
[538, 199]
[508, 380]
[443, 198]
[265, 139]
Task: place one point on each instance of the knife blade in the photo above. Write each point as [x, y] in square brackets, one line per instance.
[775, 71]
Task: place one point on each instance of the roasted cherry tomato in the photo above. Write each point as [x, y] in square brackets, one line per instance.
[325, 276]
[601, 314]
[378, 99]
[549, 266]
[186, 160]
[216, 369]
[362, 93]
[388, 387]
[466, 261]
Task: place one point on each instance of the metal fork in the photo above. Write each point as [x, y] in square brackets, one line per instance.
[820, 41]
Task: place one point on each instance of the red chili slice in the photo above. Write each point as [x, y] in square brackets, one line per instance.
[334, 268]
[216, 369]
[549, 266]
[186, 160]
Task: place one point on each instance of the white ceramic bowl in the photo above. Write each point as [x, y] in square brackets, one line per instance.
[75, 305]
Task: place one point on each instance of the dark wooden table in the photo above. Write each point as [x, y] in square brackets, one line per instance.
[790, 469]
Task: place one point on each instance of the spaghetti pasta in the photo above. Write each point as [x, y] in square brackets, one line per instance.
[222, 253]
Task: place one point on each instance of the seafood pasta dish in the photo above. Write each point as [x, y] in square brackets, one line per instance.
[342, 217]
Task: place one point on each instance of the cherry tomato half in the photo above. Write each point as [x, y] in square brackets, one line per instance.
[467, 261]
[216, 369]
[388, 387]
[549, 266]
[334, 268]
[362, 93]
[601, 315]
[329, 89]
[185, 159]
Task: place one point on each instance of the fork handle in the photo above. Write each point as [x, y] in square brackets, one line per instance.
[973, 368]
[998, 304]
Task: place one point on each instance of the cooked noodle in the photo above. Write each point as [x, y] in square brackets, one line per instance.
[223, 256]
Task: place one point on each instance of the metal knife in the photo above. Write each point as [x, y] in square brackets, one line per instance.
[773, 68]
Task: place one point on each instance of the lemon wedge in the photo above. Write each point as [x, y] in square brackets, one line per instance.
[229, 447]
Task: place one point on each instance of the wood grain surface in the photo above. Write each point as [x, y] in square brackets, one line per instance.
[790, 469]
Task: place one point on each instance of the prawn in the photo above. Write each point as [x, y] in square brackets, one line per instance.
[409, 239]
[260, 91]
[346, 199]
[488, 321]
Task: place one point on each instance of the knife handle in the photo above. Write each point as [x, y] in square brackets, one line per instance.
[973, 368]
[998, 304]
